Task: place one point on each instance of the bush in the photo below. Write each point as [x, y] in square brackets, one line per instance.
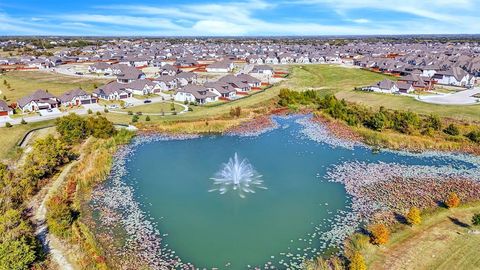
[23, 122]
[130, 113]
[98, 113]
[105, 110]
[452, 130]
[452, 200]
[59, 216]
[8, 125]
[474, 136]
[89, 111]
[379, 234]
[476, 219]
[357, 262]
[135, 119]
[147, 118]
[413, 216]
[190, 109]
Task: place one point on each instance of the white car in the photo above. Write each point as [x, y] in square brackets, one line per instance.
[113, 106]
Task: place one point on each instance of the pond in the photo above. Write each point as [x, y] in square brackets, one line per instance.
[287, 212]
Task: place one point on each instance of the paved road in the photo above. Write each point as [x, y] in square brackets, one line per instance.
[458, 98]
[83, 111]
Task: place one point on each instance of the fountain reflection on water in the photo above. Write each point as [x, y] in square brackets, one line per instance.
[237, 175]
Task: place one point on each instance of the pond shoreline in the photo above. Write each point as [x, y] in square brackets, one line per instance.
[318, 132]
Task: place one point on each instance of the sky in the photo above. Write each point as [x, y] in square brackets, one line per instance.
[238, 18]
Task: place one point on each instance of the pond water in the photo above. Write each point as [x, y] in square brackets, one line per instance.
[171, 181]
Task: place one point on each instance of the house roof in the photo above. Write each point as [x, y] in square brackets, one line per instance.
[36, 96]
[68, 96]
[4, 106]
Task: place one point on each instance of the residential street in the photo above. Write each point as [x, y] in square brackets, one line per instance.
[459, 98]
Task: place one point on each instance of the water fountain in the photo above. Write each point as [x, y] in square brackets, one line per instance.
[237, 175]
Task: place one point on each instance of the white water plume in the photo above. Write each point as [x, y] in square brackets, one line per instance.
[237, 175]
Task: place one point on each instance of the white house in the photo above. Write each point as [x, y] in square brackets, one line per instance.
[112, 91]
[455, 76]
[223, 66]
[39, 100]
[262, 69]
[143, 87]
[76, 97]
[195, 93]
[5, 109]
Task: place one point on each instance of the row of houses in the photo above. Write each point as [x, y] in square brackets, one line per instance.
[43, 100]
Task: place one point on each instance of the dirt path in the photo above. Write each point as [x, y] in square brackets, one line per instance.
[50, 243]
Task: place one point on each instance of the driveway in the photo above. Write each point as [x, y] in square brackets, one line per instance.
[459, 98]
[51, 112]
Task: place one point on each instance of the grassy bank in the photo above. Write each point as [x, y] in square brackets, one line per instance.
[443, 241]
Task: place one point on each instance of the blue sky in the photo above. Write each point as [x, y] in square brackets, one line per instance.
[238, 18]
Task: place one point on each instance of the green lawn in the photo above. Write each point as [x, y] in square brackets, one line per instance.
[153, 108]
[443, 241]
[24, 83]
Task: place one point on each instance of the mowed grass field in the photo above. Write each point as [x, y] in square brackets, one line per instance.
[153, 108]
[24, 83]
[444, 241]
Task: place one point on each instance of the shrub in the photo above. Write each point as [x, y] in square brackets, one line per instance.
[434, 122]
[190, 109]
[147, 118]
[130, 113]
[379, 234]
[23, 122]
[413, 216]
[59, 216]
[357, 262]
[105, 110]
[89, 111]
[100, 127]
[452, 200]
[476, 219]
[452, 130]
[98, 113]
[172, 106]
[474, 136]
[8, 125]
[135, 119]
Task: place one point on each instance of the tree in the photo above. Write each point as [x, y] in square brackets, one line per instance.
[17, 254]
[135, 118]
[23, 122]
[452, 130]
[413, 216]
[72, 127]
[147, 118]
[434, 122]
[357, 262]
[476, 219]
[8, 125]
[89, 111]
[474, 136]
[379, 234]
[59, 216]
[100, 127]
[452, 200]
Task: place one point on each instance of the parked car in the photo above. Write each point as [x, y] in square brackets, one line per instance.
[147, 101]
[78, 73]
[113, 106]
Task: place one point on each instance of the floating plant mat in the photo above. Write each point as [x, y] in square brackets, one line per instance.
[268, 201]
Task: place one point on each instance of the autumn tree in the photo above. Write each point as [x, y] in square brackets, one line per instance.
[379, 234]
[453, 200]
[72, 127]
[357, 262]
[413, 216]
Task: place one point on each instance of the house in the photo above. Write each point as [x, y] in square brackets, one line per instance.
[195, 93]
[221, 89]
[142, 87]
[255, 59]
[262, 69]
[185, 78]
[454, 76]
[418, 81]
[236, 83]
[168, 70]
[223, 66]
[252, 81]
[112, 91]
[5, 109]
[166, 82]
[100, 68]
[390, 87]
[76, 97]
[130, 74]
[186, 62]
[39, 100]
[385, 86]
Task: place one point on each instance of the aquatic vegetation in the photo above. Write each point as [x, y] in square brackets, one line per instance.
[237, 175]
